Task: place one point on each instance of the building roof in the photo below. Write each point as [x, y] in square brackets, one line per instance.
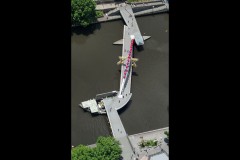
[92, 104]
[161, 156]
[144, 158]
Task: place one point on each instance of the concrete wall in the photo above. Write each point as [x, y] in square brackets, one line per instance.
[138, 9]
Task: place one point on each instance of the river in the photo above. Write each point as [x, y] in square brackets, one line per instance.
[94, 71]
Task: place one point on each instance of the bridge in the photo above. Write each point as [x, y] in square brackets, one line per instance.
[131, 35]
[112, 104]
[112, 12]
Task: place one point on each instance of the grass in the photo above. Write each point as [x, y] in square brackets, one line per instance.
[150, 143]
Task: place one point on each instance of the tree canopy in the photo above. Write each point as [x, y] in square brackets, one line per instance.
[107, 149]
[167, 133]
[83, 12]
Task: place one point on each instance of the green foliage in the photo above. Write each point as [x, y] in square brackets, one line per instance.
[99, 14]
[167, 133]
[145, 143]
[83, 12]
[107, 149]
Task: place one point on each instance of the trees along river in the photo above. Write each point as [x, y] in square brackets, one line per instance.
[83, 12]
[107, 149]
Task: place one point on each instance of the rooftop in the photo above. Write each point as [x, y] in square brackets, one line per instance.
[161, 156]
[92, 104]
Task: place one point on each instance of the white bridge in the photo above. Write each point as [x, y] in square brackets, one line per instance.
[112, 102]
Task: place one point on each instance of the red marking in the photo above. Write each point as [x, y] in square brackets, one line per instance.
[129, 56]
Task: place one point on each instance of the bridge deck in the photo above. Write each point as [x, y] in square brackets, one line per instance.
[119, 132]
[129, 18]
[111, 105]
[125, 50]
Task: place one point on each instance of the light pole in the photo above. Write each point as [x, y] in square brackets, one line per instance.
[153, 8]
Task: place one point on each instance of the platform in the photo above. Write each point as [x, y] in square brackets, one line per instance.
[90, 104]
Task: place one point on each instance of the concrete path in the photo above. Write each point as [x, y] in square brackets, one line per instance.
[111, 105]
[106, 6]
[115, 8]
[130, 144]
[155, 134]
[119, 132]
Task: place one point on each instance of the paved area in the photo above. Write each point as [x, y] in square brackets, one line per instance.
[106, 6]
[116, 8]
[129, 149]
[151, 11]
[112, 104]
[161, 156]
[117, 127]
[119, 132]
[155, 134]
[129, 18]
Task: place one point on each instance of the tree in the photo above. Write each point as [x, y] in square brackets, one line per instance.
[167, 133]
[107, 149]
[83, 12]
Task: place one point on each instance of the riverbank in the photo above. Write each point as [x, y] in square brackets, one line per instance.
[148, 151]
[156, 135]
[111, 10]
[139, 9]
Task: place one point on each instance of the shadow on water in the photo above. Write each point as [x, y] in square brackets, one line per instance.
[123, 21]
[94, 115]
[140, 48]
[134, 73]
[120, 111]
[108, 125]
[86, 31]
[166, 140]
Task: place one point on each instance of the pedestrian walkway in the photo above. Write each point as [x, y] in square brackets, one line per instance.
[106, 6]
[114, 14]
[111, 105]
[150, 135]
[119, 132]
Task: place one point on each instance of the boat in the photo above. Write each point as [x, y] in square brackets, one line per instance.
[96, 105]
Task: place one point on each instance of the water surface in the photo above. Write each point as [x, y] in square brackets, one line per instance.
[94, 71]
